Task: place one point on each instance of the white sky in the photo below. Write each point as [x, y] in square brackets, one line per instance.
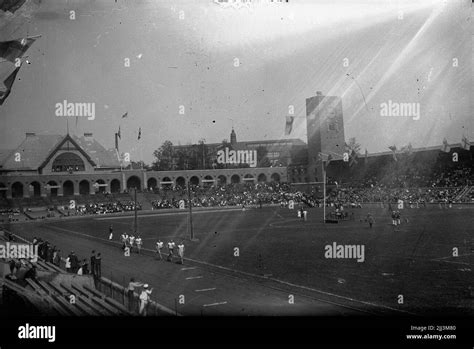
[287, 52]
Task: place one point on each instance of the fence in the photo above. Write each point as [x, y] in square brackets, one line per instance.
[130, 299]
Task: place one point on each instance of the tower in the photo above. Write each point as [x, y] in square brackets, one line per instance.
[325, 128]
[233, 138]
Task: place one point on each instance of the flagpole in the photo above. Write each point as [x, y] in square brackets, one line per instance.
[135, 223]
[190, 212]
[324, 194]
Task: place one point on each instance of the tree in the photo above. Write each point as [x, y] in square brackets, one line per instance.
[164, 157]
[353, 145]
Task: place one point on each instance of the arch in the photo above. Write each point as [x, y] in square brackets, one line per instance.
[262, 177]
[275, 177]
[235, 179]
[68, 162]
[53, 191]
[166, 185]
[208, 181]
[180, 181]
[152, 183]
[249, 178]
[36, 189]
[3, 191]
[17, 190]
[222, 180]
[194, 180]
[115, 186]
[134, 182]
[100, 186]
[68, 188]
[84, 187]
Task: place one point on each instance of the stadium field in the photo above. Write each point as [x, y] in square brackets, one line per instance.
[268, 262]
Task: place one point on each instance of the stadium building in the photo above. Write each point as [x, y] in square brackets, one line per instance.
[69, 165]
[58, 165]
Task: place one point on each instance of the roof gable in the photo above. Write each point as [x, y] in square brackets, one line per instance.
[67, 143]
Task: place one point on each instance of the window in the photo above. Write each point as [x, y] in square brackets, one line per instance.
[68, 162]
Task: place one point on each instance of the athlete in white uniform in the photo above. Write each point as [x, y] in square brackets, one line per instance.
[181, 252]
[159, 247]
[139, 243]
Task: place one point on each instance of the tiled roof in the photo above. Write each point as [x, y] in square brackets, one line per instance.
[35, 149]
[101, 156]
[4, 154]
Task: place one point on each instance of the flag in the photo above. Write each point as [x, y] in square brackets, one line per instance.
[393, 148]
[353, 158]
[11, 50]
[139, 133]
[118, 133]
[445, 147]
[465, 143]
[8, 82]
[11, 5]
[125, 115]
[289, 124]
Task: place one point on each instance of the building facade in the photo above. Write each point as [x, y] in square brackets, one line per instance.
[55, 165]
[325, 128]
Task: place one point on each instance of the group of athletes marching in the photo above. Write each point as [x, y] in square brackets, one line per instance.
[172, 250]
[131, 242]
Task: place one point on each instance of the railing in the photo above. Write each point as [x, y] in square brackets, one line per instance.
[130, 300]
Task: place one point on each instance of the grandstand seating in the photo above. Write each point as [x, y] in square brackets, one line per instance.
[51, 297]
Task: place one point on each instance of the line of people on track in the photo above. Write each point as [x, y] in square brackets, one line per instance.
[135, 243]
[131, 242]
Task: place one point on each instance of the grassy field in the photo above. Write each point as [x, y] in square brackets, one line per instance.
[414, 260]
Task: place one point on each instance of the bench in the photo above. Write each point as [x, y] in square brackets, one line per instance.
[47, 298]
[84, 299]
[97, 297]
[118, 306]
[55, 267]
[71, 307]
